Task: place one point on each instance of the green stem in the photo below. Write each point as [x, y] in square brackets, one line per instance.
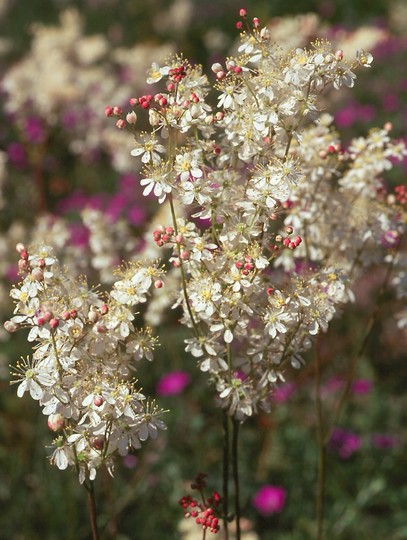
[183, 279]
[320, 447]
[226, 451]
[235, 468]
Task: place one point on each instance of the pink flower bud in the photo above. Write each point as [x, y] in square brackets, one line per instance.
[339, 54]
[117, 111]
[104, 309]
[185, 255]
[108, 111]
[24, 255]
[10, 326]
[56, 422]
[170, 87]
[65, 315]
[145, 105]
[163, 102]
[40, 321]
[48, 315]
[169, 230]
[158, 284]
[121, 124]
[289, 229]
[23, 265]
[98, 443]
[239, 265]
[239, 25]
[98, 401]
[238, 70]
[41, 263]
[179, 239]
[54, 323]
[20, 247]
[256, 22]
[242, 12]
[220, 75]
[270, 290]
[73, 313]
[133, 101]
[216, 67]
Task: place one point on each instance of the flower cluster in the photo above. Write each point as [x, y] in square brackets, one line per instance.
[87, 346]
[277, 218]
[206, 512]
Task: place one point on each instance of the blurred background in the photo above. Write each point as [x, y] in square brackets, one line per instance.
[66, 177]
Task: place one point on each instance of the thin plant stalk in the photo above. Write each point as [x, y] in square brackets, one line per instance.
[226, 451]
[320, 448]
[92, 510]
[235, 468]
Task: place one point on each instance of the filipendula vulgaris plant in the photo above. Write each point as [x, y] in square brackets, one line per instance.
[85, 355]
[288, 218]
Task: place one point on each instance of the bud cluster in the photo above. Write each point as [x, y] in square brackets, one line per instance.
[206, 512]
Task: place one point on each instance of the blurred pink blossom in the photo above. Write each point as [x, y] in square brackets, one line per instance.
[173, 383]
[269, 499]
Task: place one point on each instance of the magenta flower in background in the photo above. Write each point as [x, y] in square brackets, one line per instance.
[282, 393]
[344, 442]
[173, 383]
[362, 386]
[385, 441]
[269, 499]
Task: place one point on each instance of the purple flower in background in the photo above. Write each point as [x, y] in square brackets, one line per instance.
[361, 386]
[269, 499]
[344, 442]
[173, 383]
[346, 116]
[34, 130]
[136, 215]
[79, 235]
[282, 393]
[16, 155]
[385, 441]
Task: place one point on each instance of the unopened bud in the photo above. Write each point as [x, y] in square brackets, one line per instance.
[98, 401]
[20, 247]
[108, 111]
[131, 118]
[158, 284]
[54, 323]
[38, 274]
[56, 422]
[121, 124]
[117, 111]
[339, 54]
[93, 316]
[98, 443]
[10, 326]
